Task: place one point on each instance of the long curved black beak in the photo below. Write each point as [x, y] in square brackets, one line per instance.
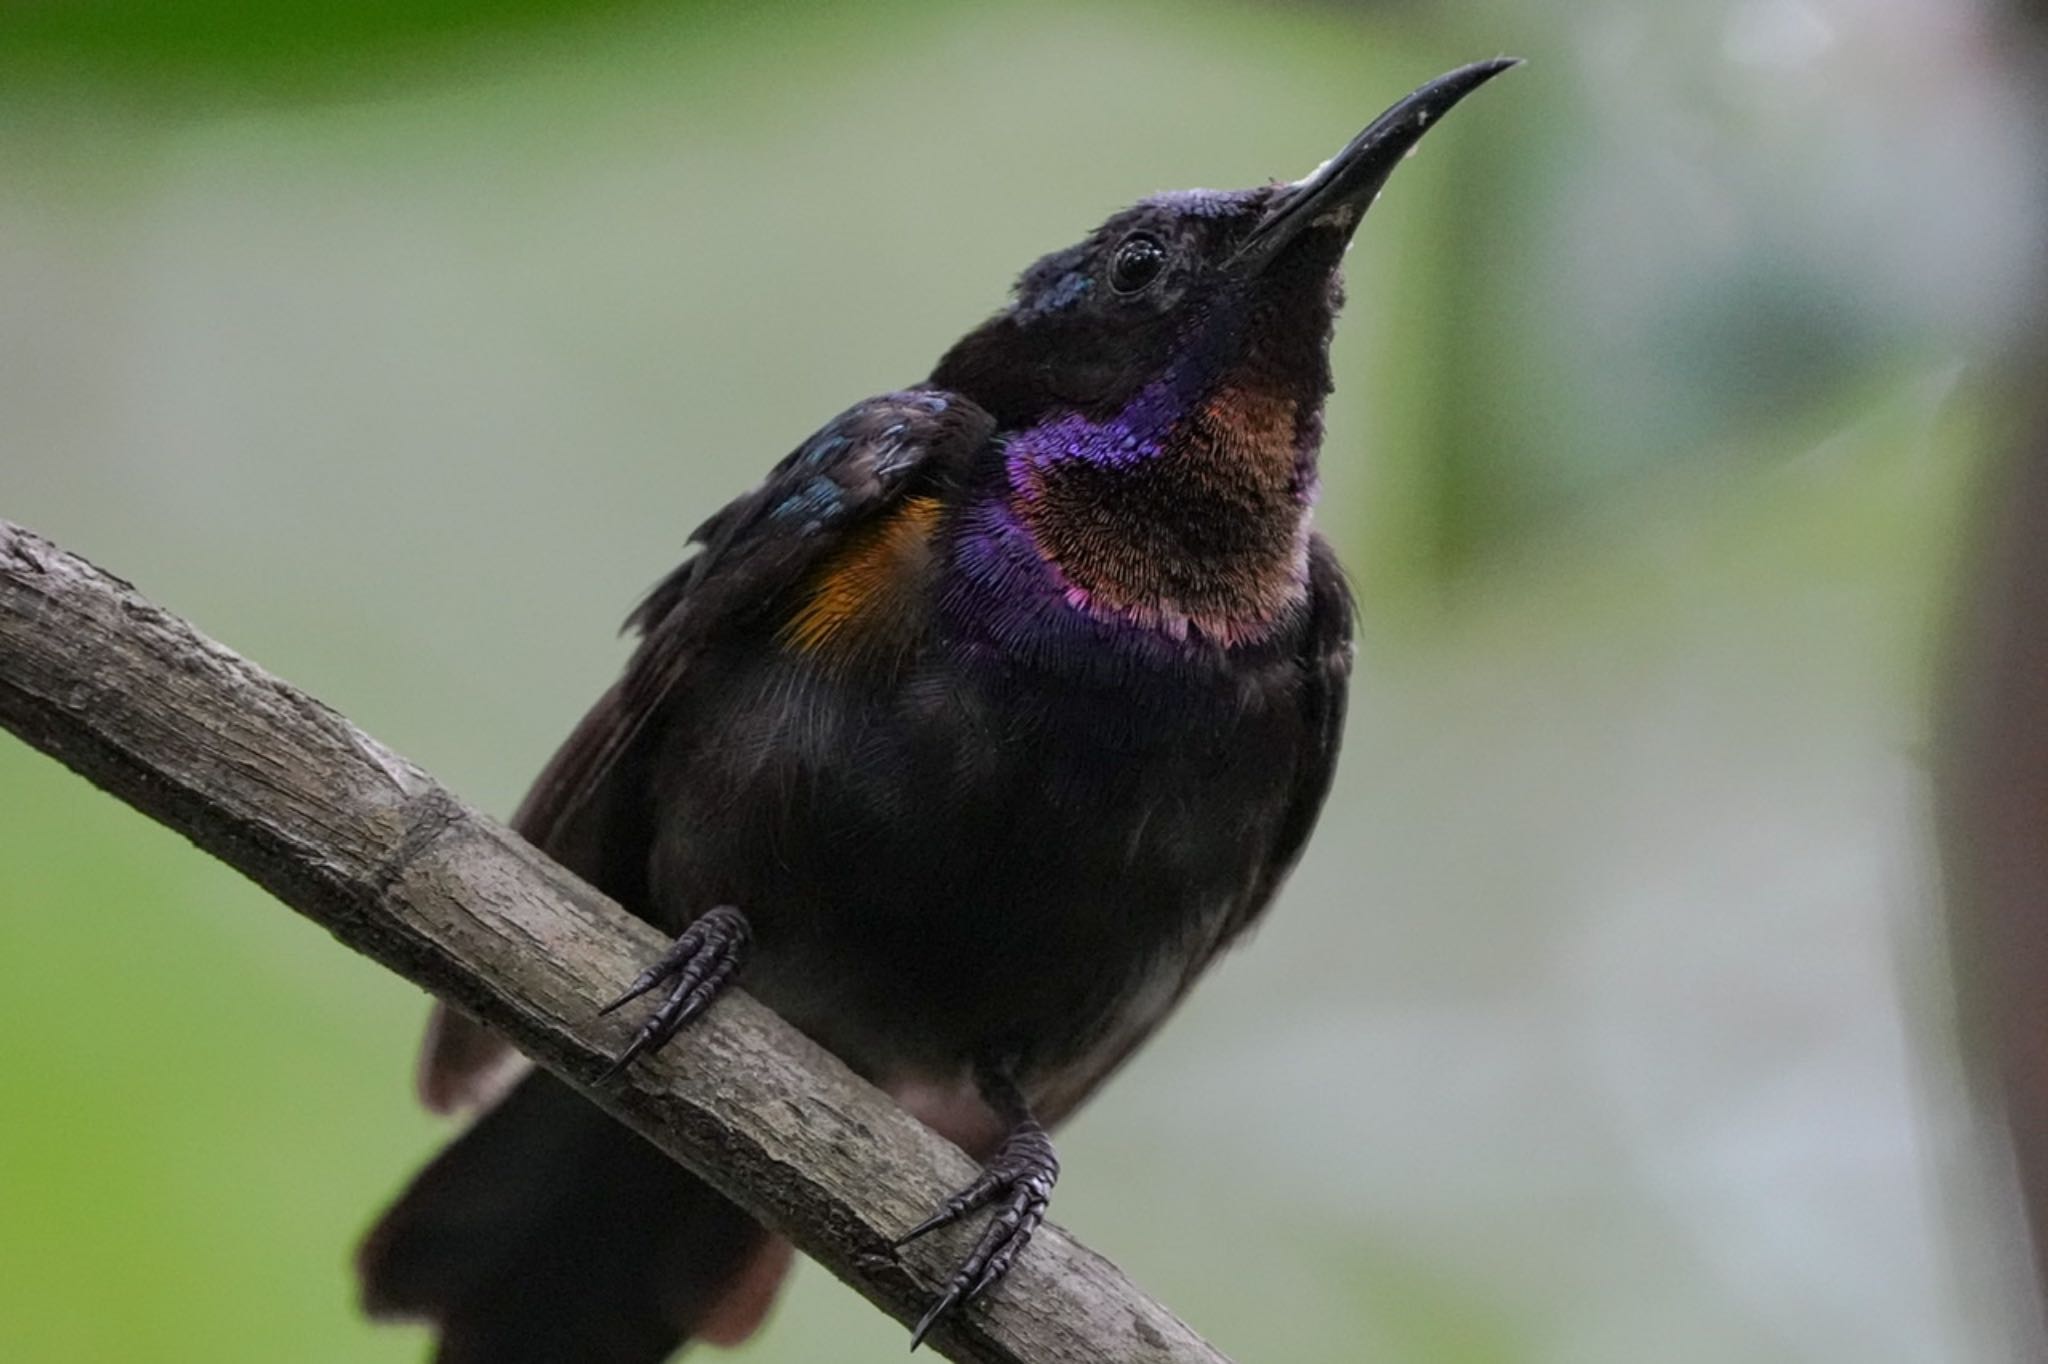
[1338, 192]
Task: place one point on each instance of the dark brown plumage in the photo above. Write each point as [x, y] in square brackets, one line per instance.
[971, 736]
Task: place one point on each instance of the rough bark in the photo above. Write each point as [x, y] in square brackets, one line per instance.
[359, 840]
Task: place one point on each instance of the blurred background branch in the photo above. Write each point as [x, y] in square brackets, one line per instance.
[1993, 788]
[367, 845]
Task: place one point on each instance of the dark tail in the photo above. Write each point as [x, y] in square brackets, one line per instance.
[548, 1233]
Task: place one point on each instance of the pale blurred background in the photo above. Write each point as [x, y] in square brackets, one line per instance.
[1607, 1021]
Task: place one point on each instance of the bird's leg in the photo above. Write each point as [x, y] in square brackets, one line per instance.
[695, 968]
[1017, 1180]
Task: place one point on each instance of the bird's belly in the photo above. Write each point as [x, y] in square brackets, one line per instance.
[948, 873]
[942, 1092]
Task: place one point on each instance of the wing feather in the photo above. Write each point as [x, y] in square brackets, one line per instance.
[750, 555]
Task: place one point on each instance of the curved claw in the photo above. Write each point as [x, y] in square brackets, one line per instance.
[947, 1301]
[700, 963]
[1019, 1181]
[987, 1188]
[1007, 1233]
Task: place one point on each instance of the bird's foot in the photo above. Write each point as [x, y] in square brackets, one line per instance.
[1018, 1181]
[695, 968]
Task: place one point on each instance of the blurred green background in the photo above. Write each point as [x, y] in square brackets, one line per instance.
[399, 346]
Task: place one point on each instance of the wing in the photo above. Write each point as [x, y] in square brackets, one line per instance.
[751, 553]
[1325, 680]
[750, 556]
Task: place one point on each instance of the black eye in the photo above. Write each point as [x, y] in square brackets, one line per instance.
[1139, 259]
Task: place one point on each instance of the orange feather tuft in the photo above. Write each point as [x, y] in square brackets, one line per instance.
[853, 591]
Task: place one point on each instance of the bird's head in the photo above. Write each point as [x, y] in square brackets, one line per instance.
[1161, 385]
[1185, 288]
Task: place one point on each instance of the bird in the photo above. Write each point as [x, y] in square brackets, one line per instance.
[965, 741]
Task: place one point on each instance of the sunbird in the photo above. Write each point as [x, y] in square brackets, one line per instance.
[967, 740]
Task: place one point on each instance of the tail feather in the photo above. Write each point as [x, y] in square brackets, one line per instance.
[548, 1233]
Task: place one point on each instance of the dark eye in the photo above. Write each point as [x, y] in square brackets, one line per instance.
[1139, 259]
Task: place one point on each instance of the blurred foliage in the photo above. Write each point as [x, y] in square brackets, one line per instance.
[261, 49]
[400, 345]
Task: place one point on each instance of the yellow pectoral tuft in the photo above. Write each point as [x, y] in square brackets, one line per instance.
[855, 595]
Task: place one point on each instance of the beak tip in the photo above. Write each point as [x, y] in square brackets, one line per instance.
[1470, 77]
[1339, 191]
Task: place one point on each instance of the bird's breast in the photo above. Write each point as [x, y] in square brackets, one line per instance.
[1200, 525]
[982, 849]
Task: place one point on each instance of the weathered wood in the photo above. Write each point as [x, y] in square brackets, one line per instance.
[362, 842]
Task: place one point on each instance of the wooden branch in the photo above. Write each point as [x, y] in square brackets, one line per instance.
[359, 840]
